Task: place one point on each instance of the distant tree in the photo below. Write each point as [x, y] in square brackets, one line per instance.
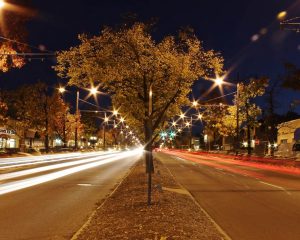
[19, 103]
[213, 116]
[149, 80]
[248, 92]
[71, 125]
[34, 106]
[270, 118]
[3, 112]
[89, 120]
[227, 124]
[49, 109]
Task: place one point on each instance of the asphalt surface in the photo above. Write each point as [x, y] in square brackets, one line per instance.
[247, 202]
[53, 200]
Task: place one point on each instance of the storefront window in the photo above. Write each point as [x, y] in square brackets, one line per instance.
[11, 143]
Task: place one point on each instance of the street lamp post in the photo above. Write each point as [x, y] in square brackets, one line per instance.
[237, 120]
[104, 137]
[149, 159]
[76, 120]
[190, 134]
[61, 91]
[104, 132]
[93, 91]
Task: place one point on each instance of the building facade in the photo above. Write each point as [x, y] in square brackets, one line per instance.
[288, 135]
[8, 139]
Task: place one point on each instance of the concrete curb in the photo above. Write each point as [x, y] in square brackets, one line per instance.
[80, 230]
[218, 227]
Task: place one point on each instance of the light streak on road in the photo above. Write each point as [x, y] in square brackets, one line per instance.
[21, 184]
[32, 160]
[230, 159]
[52, 167]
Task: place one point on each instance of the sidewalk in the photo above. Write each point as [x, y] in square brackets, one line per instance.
[172, 215]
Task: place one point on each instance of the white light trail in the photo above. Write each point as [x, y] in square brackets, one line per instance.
[51, 167]
[21, 184]
[25, 161]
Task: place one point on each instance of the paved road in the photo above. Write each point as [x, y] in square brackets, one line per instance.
[249, 202]
[53, 200]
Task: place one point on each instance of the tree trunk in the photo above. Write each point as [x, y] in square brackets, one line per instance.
[46, 133]
[22, 141]
[47, 143]
[64, 132]
[149, 156]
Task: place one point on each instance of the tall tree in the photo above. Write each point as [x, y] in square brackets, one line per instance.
[149, 80]
[33, 106]
[19, 104]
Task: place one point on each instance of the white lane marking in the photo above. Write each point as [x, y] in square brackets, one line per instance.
[21, 184]
[275, 186]
[84, 184]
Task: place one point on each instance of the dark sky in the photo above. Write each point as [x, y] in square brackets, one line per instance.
[226, 26]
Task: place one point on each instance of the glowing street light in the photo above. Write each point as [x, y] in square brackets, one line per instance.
[182, 115]
[2, 4]
[122, 119]
[195, 103]
[115, 112]
[93, 91]
[60, 89]
[281, 15]
[219, 81]
[200, 116]
[173, 123]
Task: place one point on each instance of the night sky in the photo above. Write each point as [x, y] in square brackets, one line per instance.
[226, 26]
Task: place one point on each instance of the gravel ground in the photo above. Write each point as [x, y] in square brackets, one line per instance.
[125, 214]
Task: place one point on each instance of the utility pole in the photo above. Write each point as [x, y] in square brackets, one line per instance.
[292, 24]
[149, 157]
[248, 128]
[104, 131]
[190, 142]
[77, 118]
[104, 137]
[237, 120]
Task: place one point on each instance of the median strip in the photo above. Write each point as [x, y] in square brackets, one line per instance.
[172, 215]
